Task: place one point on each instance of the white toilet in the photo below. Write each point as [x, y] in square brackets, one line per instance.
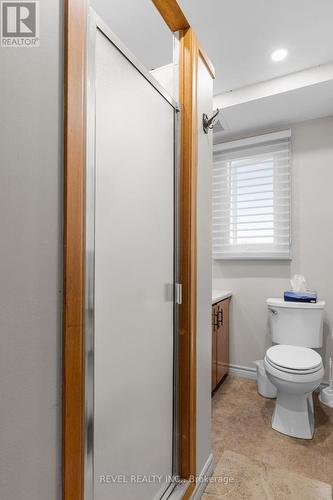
[292, 365]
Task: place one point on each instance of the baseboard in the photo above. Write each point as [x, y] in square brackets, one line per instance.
[178, 492]
[206, 472]
[243, 371]
[251, 373]
[201, 483]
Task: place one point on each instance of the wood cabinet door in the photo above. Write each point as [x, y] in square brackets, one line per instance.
[222, 339]
[214, 360]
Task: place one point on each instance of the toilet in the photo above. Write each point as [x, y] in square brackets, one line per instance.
[292, 364]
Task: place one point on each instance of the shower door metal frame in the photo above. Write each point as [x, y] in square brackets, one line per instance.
[75, 125]
[94, 24]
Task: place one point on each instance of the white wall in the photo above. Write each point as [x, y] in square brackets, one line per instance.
[312, 222]
[137, 23]
[31, 264]
[204, 274]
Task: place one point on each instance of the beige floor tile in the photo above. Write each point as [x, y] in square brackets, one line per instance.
[239, 477]
[236, 476]
[242, 423]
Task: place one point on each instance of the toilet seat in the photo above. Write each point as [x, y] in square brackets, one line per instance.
[293, 359]
[291, 371]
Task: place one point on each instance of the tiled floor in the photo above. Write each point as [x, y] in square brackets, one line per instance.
[242, 424]
[251, 479]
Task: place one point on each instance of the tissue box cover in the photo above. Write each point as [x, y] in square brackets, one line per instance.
[307, 296]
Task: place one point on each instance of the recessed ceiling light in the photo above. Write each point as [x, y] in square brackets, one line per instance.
[279, 55]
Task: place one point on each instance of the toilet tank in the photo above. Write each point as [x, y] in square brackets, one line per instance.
[296, 323]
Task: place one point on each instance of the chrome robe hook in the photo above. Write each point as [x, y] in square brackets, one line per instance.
[208, 123]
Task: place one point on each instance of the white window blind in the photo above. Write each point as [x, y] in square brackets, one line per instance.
[251, 198]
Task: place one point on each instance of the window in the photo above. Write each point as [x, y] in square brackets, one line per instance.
[251, 198]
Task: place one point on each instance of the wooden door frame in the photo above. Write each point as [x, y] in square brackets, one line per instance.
[74, 248]
[74, 241]
[188, 257]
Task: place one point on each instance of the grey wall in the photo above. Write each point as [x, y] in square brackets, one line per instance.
[204, 274]
[30, 264]
[137, 23]
[312, 215]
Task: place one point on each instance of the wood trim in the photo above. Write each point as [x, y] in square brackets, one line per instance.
[74, 250]
[172, 14]
[74, 242]
[188, 255]
[207, 61]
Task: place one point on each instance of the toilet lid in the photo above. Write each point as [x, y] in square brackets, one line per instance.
[293, 357]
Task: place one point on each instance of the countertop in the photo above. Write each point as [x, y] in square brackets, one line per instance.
[218, 295]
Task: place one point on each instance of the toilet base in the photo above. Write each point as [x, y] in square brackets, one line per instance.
[294, 415]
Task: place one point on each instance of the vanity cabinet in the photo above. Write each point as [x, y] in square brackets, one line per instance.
[220, 341]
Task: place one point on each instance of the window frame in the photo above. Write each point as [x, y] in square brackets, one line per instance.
[257, 251]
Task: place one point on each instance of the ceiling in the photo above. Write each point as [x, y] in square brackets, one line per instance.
[239, 36]
[137, 23]
[276, 111]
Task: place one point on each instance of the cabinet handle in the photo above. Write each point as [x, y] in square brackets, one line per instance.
[216, 320]
[220, 317]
